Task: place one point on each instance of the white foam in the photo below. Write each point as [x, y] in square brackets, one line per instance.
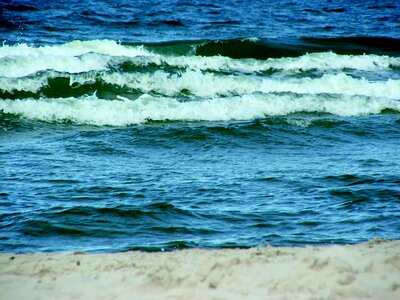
[205, 84]
[331, 61]
[75, 57]
[94, 111]
[209, 85]
[84, 56]
[75, 48]
[23, 84]
[314, 61]
[14, 67]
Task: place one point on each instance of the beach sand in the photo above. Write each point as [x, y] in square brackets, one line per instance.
[365, 271]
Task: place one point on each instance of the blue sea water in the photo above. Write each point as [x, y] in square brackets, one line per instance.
[162, 125]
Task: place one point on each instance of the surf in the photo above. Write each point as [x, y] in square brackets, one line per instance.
[106, 83]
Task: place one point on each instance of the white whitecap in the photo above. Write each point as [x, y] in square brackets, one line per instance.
[75, 57]
[204, 84]
[94, 111]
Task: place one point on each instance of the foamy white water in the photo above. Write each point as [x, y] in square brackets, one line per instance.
[94, 111]
[314, 61]
[75, 48]
[75, 57]
[204, 84]
[209, 85]
[83, 56]
[213, 88]
[23, 84]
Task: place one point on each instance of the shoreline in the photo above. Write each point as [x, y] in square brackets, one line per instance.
[369, 270]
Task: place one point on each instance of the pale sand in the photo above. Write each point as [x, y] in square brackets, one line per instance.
[365, 271]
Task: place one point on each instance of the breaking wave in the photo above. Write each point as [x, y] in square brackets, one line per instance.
[94, 111]
[103, 82]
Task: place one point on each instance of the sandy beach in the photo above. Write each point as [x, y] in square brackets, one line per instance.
[365, 271]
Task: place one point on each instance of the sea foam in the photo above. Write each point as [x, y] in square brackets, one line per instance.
[75, 57]
[84, 56]
[187, 87]
[210, 85]
[123, 112]
[196, 83]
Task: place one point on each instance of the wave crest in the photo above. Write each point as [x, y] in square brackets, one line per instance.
[93, 111]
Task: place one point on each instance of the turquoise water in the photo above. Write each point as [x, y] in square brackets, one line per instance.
[171, 125]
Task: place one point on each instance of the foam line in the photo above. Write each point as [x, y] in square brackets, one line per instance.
[123, 112]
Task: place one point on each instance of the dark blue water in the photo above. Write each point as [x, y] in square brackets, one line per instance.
[157, 125]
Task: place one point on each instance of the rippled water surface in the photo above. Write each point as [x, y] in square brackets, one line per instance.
[164, 125]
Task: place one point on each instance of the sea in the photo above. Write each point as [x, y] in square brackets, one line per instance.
[164, 125]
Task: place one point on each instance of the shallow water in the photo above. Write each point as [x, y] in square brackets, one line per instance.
[166, 126]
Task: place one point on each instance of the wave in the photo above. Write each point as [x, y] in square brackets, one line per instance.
[249, 48]
[94, 111]
[103, 82]
[210, 85]
[79, 68]
[74, 57]
[22, 65]
[192, 84]
[75, 48]
[83, 56]
[264, 49]
[357, 44]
